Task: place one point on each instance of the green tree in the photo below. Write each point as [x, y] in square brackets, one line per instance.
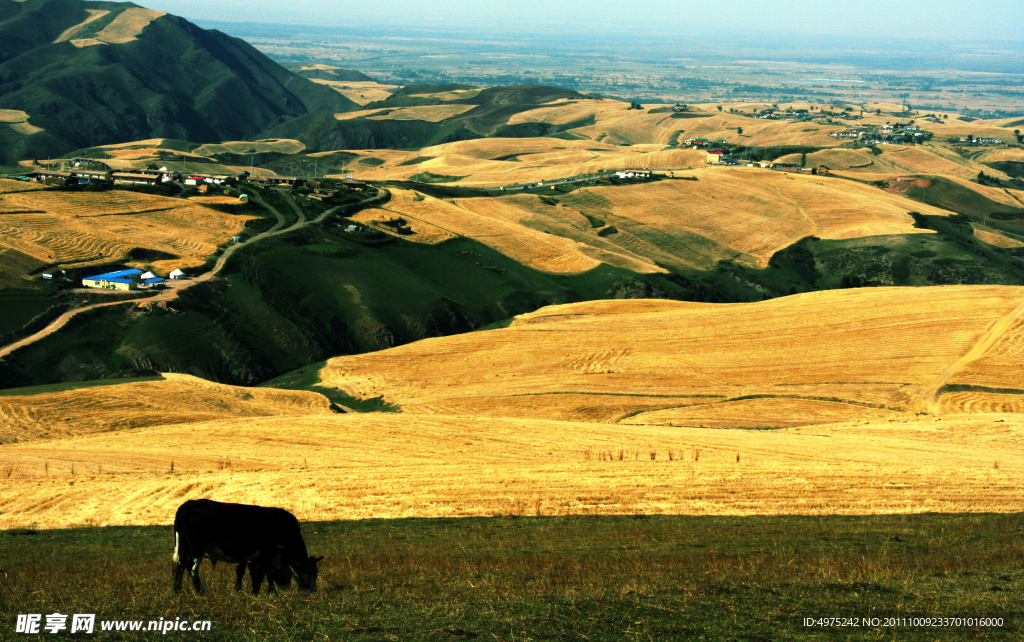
[739, 130]
[719, 108]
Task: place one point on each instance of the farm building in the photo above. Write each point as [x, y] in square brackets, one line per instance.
[150, 281]
[135, 179]
[123, 280]
[93, 176]
[52, 177]
[715, 157]
[281, 181]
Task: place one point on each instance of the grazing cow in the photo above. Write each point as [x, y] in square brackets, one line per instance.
[267, 541]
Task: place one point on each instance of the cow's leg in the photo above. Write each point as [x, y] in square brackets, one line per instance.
[239, 574]
[256, 572]
[197, 584]
[179, 571]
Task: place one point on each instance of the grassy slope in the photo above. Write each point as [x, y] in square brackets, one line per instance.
[103, 94]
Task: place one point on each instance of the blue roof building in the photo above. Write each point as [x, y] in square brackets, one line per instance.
[123, 280]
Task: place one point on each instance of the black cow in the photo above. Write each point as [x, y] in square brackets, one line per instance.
[266, 540]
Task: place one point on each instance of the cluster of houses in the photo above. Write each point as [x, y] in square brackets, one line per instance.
[888, 134]
[133, 279]
[134, 177]
[972, 140]
[719, 158]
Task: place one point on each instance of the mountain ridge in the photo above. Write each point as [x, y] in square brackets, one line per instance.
[79, 91]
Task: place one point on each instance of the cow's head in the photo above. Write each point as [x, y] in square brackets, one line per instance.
[306, 573]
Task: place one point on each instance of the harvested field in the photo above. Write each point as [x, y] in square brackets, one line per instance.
[349, 115]
[215, 200]
[504, 161]
[414, 230]
[18, 121]
[430, 113]
[360, 92]
[873, 350]
[737, 214]
[31, 414]
[87, 228]
[995, 238]
[1015, 155]
[12, 116]
[126, 27]
[71, 32]
[282, 145]
[389, 466]
[9, 187]
[540, 251]
[926, 160]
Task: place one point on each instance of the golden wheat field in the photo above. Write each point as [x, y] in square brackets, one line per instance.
[359, 92]
[126, 27]
[97, 227]
[785, 362]
[929, 160]
[992, 237]
[604, 407]
[27, 414]
[10, 187]
[535, 249]
[737, 214]
[282, 145]
[390, 466]
[504, 161]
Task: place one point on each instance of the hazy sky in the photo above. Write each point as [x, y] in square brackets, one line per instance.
[939, 19]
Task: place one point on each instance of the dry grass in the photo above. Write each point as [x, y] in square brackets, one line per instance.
[535, 249]
[360, 93]
[995, 238]
[871, 350]
[282, 145]
[389, 466]
[9, 186]
[71, 32]
[172, 399]
[430, 113]
[733, 214]
[215, 200]
[12, 116]
[840, 373]
[931, 160]
[18, 121]
[126, 27]
[97, 227]
[418, 231]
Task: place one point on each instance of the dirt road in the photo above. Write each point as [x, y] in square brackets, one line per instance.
[174, 288]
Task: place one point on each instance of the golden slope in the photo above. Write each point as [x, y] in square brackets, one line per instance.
[392, 466]
[168, 399]
[126, 27]
[87, 228]
[876, 351]
[736, 214]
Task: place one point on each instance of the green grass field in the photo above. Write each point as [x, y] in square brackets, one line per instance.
[557, 578]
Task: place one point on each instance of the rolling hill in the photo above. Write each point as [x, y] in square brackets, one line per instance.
[869, 353]
[92, 73]
[853, 402]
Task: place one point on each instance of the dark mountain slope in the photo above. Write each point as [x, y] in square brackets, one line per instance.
[492, 109]
[171, 79]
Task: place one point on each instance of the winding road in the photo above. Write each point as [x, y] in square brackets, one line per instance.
[176, 287]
